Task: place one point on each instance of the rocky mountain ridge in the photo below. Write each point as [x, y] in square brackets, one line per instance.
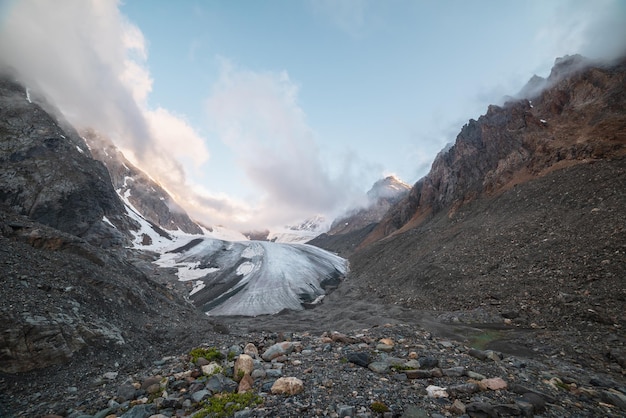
[578, 115]
[146, 195]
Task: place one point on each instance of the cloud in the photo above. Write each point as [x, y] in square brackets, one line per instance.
[91, 62]
[257, 115]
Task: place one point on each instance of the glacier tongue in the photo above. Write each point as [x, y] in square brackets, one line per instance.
[253, 278]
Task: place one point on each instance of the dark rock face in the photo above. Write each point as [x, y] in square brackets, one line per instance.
[150, 199]
[580, 115]
[47, 173]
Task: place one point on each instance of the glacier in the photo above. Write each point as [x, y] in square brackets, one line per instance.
[251, 278]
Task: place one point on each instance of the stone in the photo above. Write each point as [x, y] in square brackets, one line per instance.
[454, 371]
[494, 383]
[413, 355]
[384, 347]
[140, 411]
[126, 393]
[378, 367]
[360, 358]
[341, 338]
[428, 362]
[110, 375]
[150, 381]
[457, 407]
[211, 369]
[537, 402]
[251, 350]
[481, 409]
[273, 373]
[387, 341]
[436, 392]
[258, 373]
[475, 376]
[464, 388]
[479, 354]
[152, 389]
[278, 349]
[243, 365]
[418, 374]
[508, 410]
[614, 398]
[287, 386]
[220, 383]
[200, 395]
[412, 411]
[246, 384]
[345, 410]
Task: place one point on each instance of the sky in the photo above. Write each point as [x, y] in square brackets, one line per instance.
[257, 114]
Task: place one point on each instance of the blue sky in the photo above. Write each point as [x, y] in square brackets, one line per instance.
[261, 113]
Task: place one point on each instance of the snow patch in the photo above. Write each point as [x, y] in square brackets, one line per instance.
[28, 95]
[245, 268]
[106, 220]
[79, 149]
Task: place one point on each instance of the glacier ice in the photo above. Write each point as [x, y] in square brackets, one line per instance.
[253, 278]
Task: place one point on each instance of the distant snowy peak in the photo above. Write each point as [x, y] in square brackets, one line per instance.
[389, 187]
[137, 189]
[315, 223]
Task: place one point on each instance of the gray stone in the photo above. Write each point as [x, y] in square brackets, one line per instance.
[360, 359]
[614, 397]
[481, 409]
[378, 367]
[467, 388]
[454, 371]
[428, 362]
[200, 395]
[278, 349]
[412, 411]
[103, 413]
[345, 410]
[126, 393]
[273, 373]
[140, 411]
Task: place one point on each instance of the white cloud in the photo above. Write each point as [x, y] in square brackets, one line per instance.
[257, 115]
[348, 15]
[91, 62]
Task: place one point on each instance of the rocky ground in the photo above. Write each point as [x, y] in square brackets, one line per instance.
[393, 370]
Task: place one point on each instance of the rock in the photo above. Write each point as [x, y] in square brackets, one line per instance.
[384, 347]
[211, 369]
[481, 409]
[287, 386]
[152, 389]
[537, 402]
[508, 410]
[387, 341]
[278, 349]
[480, 355]
[251, 350]
[457, 407]
[467, 388]
[246, 384]
[126, 393]
[428, 362]
[273, 373]
[200, 395]
[341, 338]
[345, 410]
[378, 367]
[234, 350]
[140, 411]
[614, 397]
[418, 374]
[454, 371]
[475, 376]
[494, 383]
[243, 365]
[412, 411]
[110, 375]
[154, 380]
[436, 392]
[360, 358]
[220, 383]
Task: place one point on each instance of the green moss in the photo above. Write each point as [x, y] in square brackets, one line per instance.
[225, 405]
[231, 356]
[211, 354]
[401, 367]
[379, 407]
[481, 340]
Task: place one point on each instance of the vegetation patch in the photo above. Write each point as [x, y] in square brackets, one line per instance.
[481, 340]
[225, 405]
[211, 354]
[379, 407]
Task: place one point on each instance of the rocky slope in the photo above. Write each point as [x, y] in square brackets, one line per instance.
[144, 194]
[577, 113]
[47, 173]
